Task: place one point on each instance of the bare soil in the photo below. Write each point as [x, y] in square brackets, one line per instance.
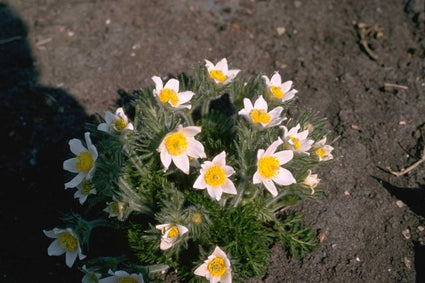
[359, 63]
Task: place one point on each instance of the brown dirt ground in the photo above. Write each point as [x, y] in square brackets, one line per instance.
[63, 61]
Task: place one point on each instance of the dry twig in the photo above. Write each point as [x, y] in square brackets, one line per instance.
[408, 169]
[365, 32]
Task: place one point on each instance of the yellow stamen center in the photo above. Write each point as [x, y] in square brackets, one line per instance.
[84, 162]
[196, 218]
[173, 232]
[277, 91]
[127, 280]
[215, 176]
[321, 152]
[168, 94]
[260, 116]
[268, 166]
[217, 267]
[86, 187]
[93, 277]
[176, 143]
[296, 142]
[120, 124]
[68, 242]
[218, 75]
[117, 207]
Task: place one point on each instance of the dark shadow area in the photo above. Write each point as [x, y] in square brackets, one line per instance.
[419, 261]
[37, 123]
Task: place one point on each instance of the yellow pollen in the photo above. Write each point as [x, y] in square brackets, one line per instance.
[217, 267]
[218, 75]
[120, 124]
[173, 232]
[196, 218]
[68, 242]
[277, 91]
[93, 277]
[168, 94]
[86, 187]
[176, 143]
[84, 162]
[268, 166]
[215, 176]
[127, 280]
[321, 152]
[296, 142]
[260, 116]
[117, 207]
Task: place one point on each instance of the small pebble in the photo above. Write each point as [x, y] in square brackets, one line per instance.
[406, 234]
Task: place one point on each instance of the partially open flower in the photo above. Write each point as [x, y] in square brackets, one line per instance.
[297, 141]
[311, 181]
[84, 189]
[269, 170]
[323, 150]
[215, 177]
[220, 72]
[216, 268]
[170, 234]
[116, 209]
[122, 276]
[90, 276]
[170, 93]
[66, 242]
[277, 89]
[115, 123]
[84, 162]
[258, 114]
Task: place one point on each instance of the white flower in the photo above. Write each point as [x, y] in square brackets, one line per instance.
[90, 276]
[279, 90]
[116, 209]
[85, 188]
[323, 150]
[179, 146]
[115, 123]
[216, 268]
[220, 72]
[297, 141]
[122, 276]
[66, 242]
[170, 93]
[269, 170]
[170, 233]
[215, 177]
[258, 114]
[84, 162]
[311, 181]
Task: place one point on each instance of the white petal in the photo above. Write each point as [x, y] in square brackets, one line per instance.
[172, 84]
[158, 83]
[289, 95]
[103, 127]
[260, 103]
[190, 131]
[76, 146]
[201, 270]
[75, 181]
[182, 229]
[260, 153]
[229, 188]
[247, 105]
[185, 96]
[182, 162]
[165, 158]
[276, 80]
[70, 258]
[220, 159]
[166, 243]
[231, 74]
[109, 117]
[210, 66]
[276, 112]
[256, 179]
[228, 170]
[270, 187]
[69, 165]
[286, 86]
[214, 192]
[266, 79]
[272, 148]
[195, 149]
[200, 182]
[55, 249]
[284, 177]
[284, 156]
[222, 66]
[50, 234]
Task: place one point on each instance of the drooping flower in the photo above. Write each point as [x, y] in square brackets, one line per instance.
[279, 90]
[116, 209]
[269, 170]
[220, 72]
[84, 162]
[216, 268]
[170, 234]
[179, 146]
[169, 93]
[122, 276]
[311, 181]
[115, 123]
[258, 114]
[84, 189]
[66, 242]
[215, 177]
[90, 276]
[323, 150]
[297, 141]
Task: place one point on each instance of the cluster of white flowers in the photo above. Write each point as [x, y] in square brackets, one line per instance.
[180, 148]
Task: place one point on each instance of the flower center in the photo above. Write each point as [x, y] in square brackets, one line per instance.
[173, 232]
[127, 280]
[86, 187]
[196, 218]
[296, 142]
[176, 143]
[168, 94]
[117, 207]
[120, 124]
[218, 75]
[217, 267]
[93, 277]
[277, 91]
[68, 242]
[268, 166]
[215, 176]
[84, 162]
[321, 152]
[260, 116]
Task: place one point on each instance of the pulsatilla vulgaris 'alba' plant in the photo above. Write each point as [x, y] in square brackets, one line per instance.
[195, 176]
